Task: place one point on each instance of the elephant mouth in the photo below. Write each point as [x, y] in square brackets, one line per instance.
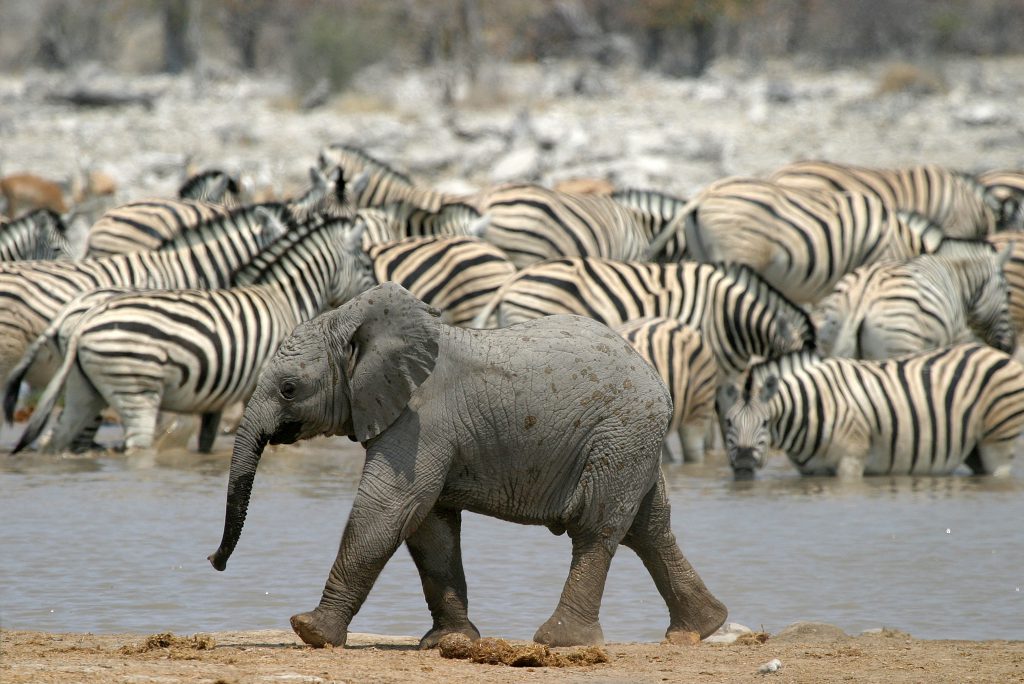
[288, 433]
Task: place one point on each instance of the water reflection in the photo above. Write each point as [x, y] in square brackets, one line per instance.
[111, 542]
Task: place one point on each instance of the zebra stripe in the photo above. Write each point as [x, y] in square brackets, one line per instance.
[531, 223]
[146, 225]
[687, 367]
[888, 310]
[31, 293]
[738, 314]
[1013, 270]
[955, 201]
[37, 235]
[801, 242]
[457, 275]
[195, 351]
[923, 414]
[213, 186]
[656, 211]
[373, 183]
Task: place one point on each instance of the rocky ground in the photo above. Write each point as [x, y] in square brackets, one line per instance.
[806, 653]
[545, 122]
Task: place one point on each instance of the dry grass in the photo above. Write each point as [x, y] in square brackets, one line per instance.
[176, 646]
[902, 77]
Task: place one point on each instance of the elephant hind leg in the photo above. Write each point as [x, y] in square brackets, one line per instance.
[691, 606]
[436, 549]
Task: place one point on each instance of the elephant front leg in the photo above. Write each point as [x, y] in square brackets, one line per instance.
[575, 620]
[436, 549]
[386, 510]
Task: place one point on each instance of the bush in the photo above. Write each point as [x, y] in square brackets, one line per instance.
[335, 43]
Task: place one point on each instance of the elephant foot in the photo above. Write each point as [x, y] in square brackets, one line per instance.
[704, 620]
[317, 629]
[433, 637]
[562, 631]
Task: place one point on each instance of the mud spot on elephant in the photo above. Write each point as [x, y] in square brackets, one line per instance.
[500, 652]
[168, 644]
[529, 422]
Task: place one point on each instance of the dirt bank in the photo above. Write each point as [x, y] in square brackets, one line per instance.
[275, 656]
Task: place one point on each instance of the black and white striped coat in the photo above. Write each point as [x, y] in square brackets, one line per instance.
[1007, 188]
[34, 292]
[687, 367]
[1013, 270]
[371, 182]
[737, 313]
[955, 201]
[37, 235]
[924, 414]
[195, 351]
[802, 242]
[214, 186]
[887, 310]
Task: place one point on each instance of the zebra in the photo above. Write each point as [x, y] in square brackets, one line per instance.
[800, 241]
[37, 235]
[457, 275]
[1013, 270]
[738, 314]
[955, 201]
[923, 414]
[192, 351]
[935, 300]
[687, 367]
[656, 210]
[1007, 188]
[34, 292]
[398, 220]
[214, 186]
[150, 224]
[374, 183]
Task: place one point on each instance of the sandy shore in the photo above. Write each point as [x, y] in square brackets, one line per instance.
[277, 656]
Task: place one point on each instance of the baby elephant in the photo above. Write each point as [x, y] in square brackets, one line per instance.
[553, 422]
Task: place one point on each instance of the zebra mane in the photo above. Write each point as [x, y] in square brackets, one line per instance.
[196, 180]
[762, 289]
[257, 269]
[209, 228]
[365, 158]
[960, 247]
[634, 195]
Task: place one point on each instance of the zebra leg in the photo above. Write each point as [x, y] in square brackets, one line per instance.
[691, 606]
[82, 406]
[139, 413]
[208, 431]
[992, 459]
[86, 439]
[435, 547]
[691, 438]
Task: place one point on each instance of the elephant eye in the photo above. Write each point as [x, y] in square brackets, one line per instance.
[288, 389]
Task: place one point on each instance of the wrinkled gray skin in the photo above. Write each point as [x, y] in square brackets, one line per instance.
[554, 422]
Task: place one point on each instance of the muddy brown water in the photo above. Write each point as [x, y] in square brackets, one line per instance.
[111, 543]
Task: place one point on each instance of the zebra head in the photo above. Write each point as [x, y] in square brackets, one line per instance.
[746, 414]
[988, 302]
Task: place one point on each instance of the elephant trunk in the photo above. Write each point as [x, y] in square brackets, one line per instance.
[249, 445]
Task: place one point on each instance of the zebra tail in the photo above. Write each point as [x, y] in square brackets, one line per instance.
[662, 238]
[12, 386]
[481, 320]
[49, 399]
[478, 228]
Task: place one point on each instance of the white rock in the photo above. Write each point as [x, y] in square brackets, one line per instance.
[773, 665]
[521, 164]
[728, 633]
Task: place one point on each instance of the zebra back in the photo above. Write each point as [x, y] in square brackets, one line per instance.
[455, 218]
[954, 200]
[656, 211]
[919, 414]
[738, 313]
[325, 195]
[214, 186]
[37, 235]
[456, 275]
[146, 225]
[374, 183]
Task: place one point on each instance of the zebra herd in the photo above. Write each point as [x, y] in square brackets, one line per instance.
[861, 320]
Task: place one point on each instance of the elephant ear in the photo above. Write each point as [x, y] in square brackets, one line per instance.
[386, 341]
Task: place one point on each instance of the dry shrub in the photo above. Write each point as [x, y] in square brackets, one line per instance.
[500, 652]
[753, 638]
[167, 640]
[902, 77]
[682, 638]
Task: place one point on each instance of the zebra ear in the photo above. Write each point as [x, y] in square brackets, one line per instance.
[727, 396]
[769, 388]
[386, 341]
[359, 183]
[318, 179]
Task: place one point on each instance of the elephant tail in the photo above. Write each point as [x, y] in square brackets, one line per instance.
[49, 398]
